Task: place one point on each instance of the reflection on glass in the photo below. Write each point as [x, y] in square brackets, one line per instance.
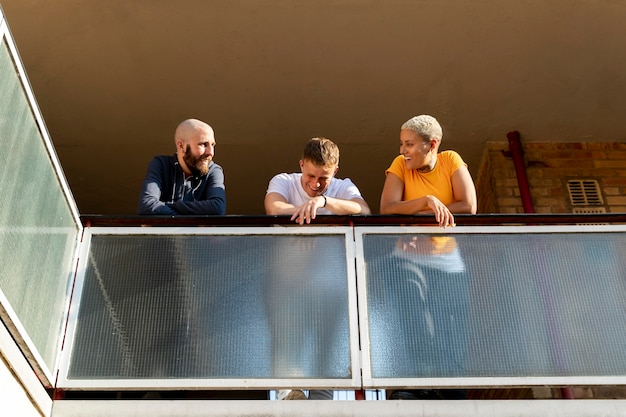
[253, 306]
[417, 294]
[37, 229]
[307, 303]
[497, 305]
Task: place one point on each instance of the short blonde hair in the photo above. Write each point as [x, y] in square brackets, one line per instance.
[424, 125]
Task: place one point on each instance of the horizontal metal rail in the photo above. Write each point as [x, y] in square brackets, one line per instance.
[93, 220]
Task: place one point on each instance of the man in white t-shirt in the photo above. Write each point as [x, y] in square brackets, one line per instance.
[303, 196]
[315, 190]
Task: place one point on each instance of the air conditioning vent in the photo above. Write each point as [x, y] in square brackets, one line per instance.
[584, 193]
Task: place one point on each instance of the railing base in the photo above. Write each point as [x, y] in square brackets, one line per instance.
[459, 408]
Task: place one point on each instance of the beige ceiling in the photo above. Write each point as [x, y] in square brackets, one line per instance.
[114, 77]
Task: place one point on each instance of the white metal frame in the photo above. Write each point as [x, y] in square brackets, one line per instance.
[423, 408]
[23, 372]
[354, 382]
[371, 382]
[12, 321]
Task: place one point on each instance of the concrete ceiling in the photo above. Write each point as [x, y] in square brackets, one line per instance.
[113, 79]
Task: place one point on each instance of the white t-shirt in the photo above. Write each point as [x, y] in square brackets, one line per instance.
[290, 187]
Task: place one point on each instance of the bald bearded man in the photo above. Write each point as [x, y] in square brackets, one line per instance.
[188, 182]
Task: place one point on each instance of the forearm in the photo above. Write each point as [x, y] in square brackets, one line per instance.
[341, 207]
[279, 208]
[150, 203]
[155, 208]
[459, 207]
[405, 207]
[213, 203]
[462, 207]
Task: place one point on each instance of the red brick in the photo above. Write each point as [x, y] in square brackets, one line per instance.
[606, 145]
[613, 182]
[570, 172]
[504, 191]
[548, 201]
[616, 155]
[574, 163]
[556, 192]
[536, 172]
[616, 200]
[567, 154]
[546, 181]
[506, 182]
[606, 173]
[558, 154]
[503, 173]
[509, 201]
[570, 145]
[610, 163]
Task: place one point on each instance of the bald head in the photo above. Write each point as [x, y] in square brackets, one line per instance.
[195, 146]
[191, 127]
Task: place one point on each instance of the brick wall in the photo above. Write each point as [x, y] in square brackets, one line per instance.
[549, 167]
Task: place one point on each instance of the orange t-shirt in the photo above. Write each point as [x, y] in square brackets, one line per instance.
[437, 182]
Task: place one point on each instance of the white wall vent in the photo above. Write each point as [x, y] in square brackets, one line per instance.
[588, 210]
[584, 193]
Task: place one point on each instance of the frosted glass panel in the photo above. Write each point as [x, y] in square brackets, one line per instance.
[256, 306]
[497, 305]
[38, 234]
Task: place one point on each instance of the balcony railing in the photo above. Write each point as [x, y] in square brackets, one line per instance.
[346, 303]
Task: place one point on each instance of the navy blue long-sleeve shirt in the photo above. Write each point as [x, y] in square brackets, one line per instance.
[166, 191]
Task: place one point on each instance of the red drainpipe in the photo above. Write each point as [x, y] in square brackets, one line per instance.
[515, 148]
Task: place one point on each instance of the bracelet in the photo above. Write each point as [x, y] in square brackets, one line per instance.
[325, 200]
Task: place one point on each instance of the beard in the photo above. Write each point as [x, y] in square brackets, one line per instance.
[196, 165]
